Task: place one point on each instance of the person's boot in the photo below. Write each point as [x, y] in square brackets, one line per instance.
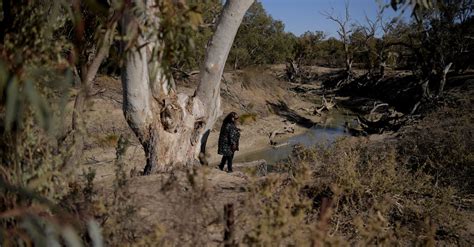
[229, 166]
[222, 164]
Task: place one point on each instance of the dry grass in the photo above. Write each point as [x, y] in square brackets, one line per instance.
[108, 140]
[442, 145]
[408, 191]
[247, 118]
[378, 200]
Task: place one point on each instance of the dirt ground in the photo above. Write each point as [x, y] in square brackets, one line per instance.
[163, 201]
[248, 97]
[246, 93]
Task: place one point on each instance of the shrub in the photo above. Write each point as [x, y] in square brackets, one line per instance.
[442, 145]
[377, 199]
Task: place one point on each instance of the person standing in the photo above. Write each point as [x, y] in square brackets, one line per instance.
[228, 141]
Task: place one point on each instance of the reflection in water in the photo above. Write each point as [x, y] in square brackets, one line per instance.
[316, 135]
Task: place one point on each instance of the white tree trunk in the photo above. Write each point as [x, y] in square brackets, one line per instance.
[208, 91]
[442, 82]
[171, 126]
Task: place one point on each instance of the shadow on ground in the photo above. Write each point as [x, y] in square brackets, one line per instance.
[281, 109]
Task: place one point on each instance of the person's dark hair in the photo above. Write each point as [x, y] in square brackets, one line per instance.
[229, 118]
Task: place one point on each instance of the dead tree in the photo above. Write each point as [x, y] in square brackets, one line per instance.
[325, 106]
[344, 33]
[292, 70]
[369, 30]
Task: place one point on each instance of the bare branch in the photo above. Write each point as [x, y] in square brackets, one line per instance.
[344, 32]
[102, 53]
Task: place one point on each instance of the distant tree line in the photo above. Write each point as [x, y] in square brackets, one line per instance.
[435, 35]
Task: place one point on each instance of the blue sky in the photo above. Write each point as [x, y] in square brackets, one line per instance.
[305, 15]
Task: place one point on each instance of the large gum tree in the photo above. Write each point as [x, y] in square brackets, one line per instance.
[172, 127]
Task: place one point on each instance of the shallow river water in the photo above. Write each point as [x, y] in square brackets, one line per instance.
[318, 134]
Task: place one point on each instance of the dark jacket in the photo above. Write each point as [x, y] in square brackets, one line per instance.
[228, 139]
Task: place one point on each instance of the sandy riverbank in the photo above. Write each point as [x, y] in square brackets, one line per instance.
[241, 92]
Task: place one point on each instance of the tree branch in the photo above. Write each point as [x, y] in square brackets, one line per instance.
[208, 91]
[102, 53]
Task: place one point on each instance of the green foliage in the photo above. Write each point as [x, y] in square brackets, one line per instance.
[281, 213]
[308, 48]
[33, 188]
[120, 214]
[260, 40]
[35, 78]
[31, 49]
[209, 11]
[416, 5]
[178, 25]
[175, 28]
[364, 48]
[436, 37]
[331, 53]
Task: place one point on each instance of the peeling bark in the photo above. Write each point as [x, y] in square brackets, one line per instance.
[218, 50]
[173, 128]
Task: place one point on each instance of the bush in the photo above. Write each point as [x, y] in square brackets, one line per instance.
[442, 145]
[376, 199]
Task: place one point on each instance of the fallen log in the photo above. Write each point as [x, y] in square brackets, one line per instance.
[328, 104]
[383, 124]
[325, 106]
[289, 128]
[376, 106]
[354, 131]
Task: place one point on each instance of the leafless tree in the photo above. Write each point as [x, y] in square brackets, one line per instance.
[344, 33]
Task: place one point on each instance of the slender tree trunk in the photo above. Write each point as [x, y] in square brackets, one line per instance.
[169, 125]
[77, 130]
[442, 82]
[88, 73]
[382, 66]
[348, 57]
[236, 63]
